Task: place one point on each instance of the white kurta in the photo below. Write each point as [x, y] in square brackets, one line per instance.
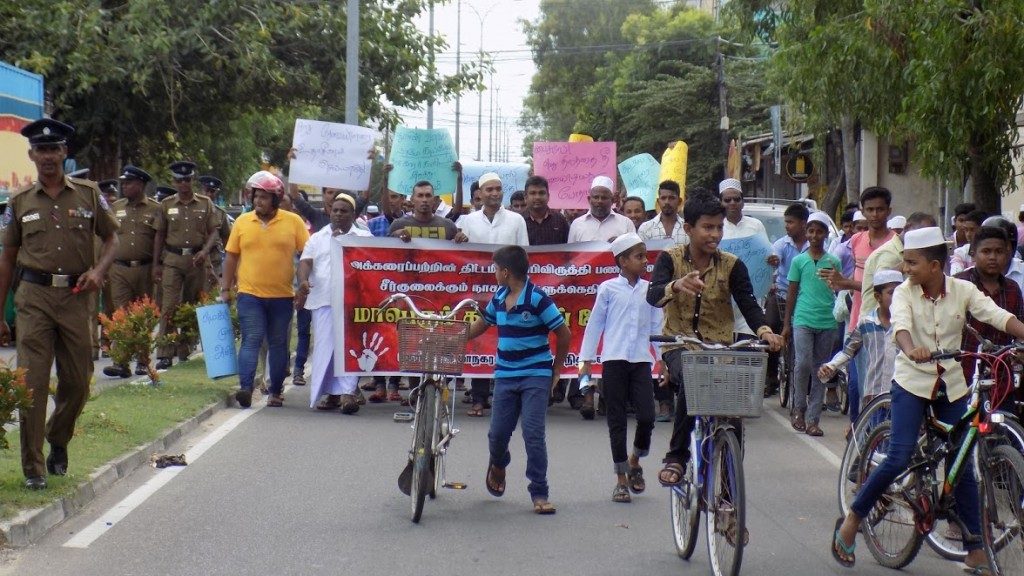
[323, 380]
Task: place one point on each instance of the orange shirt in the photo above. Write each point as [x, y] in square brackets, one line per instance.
[266, 253]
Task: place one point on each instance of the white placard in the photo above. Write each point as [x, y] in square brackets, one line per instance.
[331, 155]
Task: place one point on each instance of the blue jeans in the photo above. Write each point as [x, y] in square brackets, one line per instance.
[856, 367]
[264, 318]
[814, 348]
[303, 319]
[908, 412]
[523, 398]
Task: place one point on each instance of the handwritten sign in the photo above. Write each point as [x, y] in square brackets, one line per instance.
[331, 155]
[419, 154]
[753, 251]
[640, 174]
[570, 167]
[218, 338]
[513, 176]
[673, 164]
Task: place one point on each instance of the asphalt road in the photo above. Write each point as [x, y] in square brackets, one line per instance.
[293, 491]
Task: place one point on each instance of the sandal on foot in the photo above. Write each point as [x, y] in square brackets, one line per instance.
[275, 401]
[671, 474]
[841, 552]
[814, 430]
[796, 420]
[621, 494]
[330, 402]
[543, 507]
[636, 480]
[979, 570]
[477, 411]
[495, 486]
[378, 397]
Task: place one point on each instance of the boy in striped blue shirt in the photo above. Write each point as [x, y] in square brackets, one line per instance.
[525, 372]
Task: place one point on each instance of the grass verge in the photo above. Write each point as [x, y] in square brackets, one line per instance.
[113, 423]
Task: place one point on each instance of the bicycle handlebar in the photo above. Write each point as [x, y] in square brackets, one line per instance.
[740, 345]
[467, 303]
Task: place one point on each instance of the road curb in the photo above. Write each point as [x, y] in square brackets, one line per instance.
[31, 525]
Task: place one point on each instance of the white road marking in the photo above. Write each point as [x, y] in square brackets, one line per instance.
[119, 511]
[818, 447]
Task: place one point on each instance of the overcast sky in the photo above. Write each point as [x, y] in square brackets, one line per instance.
[503, 37]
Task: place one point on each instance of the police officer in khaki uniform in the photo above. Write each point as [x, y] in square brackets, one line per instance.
[185, 233]
[211, 189]
[49, 233]
[106, 302]
[131, 276]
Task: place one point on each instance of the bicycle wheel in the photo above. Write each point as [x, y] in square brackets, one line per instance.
[843, 387]
[785, 368]
[422, 455]
[889, 530]
[725, 516]
[684, 505]
[437, 464]
[1002, 509]
[875, 413]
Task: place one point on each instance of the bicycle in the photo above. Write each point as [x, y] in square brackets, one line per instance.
[433, 346]
[722, 384]
[918, 497]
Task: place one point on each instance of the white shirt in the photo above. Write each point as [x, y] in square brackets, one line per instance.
[506, 228]
[318, 249]
[1015, 271]
[747, 226]
[587, 228]
[961, 260]
[652, 230]
[621, 313]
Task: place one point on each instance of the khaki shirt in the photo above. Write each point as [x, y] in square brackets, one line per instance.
[137, 230]
[56, 235]
[187, 224]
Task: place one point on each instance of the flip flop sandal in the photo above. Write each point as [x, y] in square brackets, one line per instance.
[814, 430]
[636, 480]
[495, 488]
[981, 570]
[329, 403]
[275, 401]
[621, 494]
[543, 507]
[672, 468]
[842, 553]
[797, 422]
[477, 411]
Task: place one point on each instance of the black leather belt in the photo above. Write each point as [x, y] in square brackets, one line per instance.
[47, 279]
[134, 263]
[182, 251]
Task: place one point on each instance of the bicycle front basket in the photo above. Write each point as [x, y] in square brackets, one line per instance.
[724, 382]
[432, 346]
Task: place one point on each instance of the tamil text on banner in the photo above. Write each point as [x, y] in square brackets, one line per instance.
[570, 167]
[640, 174]
[437, 275]
[331, 155]
[418, 155]
[513, 176]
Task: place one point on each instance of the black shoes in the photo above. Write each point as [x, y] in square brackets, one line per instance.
[57, 461]
[244, 398]
[164, 363]
[35, 483]
[587, 409]
[116, 371]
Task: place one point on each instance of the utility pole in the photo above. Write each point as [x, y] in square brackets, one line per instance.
[430, 104]
[723, 113]
[490, 130]
[352, 63]
[458, 68]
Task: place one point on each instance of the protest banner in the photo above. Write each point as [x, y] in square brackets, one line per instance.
[640, 174]
[331, 155]
[673, 164]
[513, 176]
[218, 338]
[570, 167]
[420, 154]
[437, 275]
[753, 251]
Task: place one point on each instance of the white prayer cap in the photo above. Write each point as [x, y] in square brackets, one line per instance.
[1022, 207]
[883, 277]
[488, 177]
[602, 182]
[625, 242]
[858, 216]
[729, 184]
[820, 218]
[896, 223]
[923, 238]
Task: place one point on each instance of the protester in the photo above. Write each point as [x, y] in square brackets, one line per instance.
[314, 294]
[1015, 268]
[680, 274]
[633, 207]
[962, 256]
[860, 222]
[53, 296]
[784, 250]
[131, 276]
[897, 224]
[669, 223]
[441, 208]
[600, 223]
[737, 225]
[186, 233]
[493, 223]
[475, 200]
[846, 225]
[517, 201]
[960, 212]
[525, 372]
[544, 226]
[928, 314]
[889, 256]
[379, 226]
[808, 320]
[622, 321]
[261, 254]
[423, 223]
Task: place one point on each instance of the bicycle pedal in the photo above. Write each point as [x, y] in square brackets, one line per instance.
[455, 432]
[454, 485]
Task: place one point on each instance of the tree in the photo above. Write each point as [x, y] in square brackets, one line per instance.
[149, 78]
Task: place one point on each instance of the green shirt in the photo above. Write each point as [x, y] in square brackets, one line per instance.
[815, 299]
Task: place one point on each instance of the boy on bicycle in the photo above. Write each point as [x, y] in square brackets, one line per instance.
[695, 284]
[928, 314]
[525, 373]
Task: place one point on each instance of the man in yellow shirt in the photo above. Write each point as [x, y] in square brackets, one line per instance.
[260, 257]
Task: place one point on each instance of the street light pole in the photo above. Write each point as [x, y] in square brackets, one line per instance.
[352, 63]
[480, 92]
[458, 69]
[430, 104]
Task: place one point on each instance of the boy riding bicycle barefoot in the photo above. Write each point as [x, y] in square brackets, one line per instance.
[696, 284]
[928, 314]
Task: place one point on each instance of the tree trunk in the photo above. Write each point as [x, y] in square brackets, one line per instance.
[984, 178]
[834, 194]
[851, 163]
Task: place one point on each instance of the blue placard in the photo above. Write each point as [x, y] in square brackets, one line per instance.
[419, 154]
[753, 251]
[218, 338]
[640, 174]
